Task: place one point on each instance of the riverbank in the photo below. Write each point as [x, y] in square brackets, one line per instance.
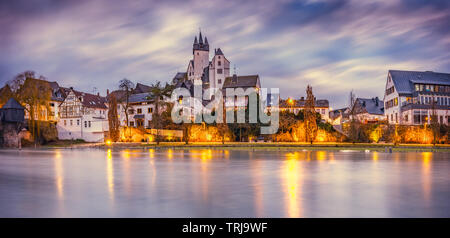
[383, 147]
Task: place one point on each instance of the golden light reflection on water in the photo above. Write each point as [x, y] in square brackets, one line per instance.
[291, 175]
[206, 156]
[427, 158]
[59, 172]
[169, 153]
[321, 155]
[110, 174]
[375, 156]
[151, 153]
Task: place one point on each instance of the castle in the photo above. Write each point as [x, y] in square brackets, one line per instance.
[211, 74]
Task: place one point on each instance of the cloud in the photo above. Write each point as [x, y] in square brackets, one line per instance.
[334, 45]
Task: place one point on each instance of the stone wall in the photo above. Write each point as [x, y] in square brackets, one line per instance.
[8, 135]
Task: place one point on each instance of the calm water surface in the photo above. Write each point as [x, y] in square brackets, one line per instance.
[223, 183]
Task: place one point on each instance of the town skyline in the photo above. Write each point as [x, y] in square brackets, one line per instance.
[93, 44]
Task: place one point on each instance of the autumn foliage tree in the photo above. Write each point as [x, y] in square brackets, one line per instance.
[34, 93]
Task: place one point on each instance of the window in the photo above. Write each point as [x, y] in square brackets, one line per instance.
[441, 119]
[150, 110]
[131, 123]
[219, 71]
[323, 111]
[417, 86]
[392, 117]
[85, 124]
[140, 123]
[395, 101]
[406, 118]
[139, 110]
[130, 111]
[220, 81]
[416, 117]
[149, 123]
[219, 63]
[89, 123]
[65, 122]
[396, 118]
[78, 122]
[390, 90]
[71, 122]
[52, 104]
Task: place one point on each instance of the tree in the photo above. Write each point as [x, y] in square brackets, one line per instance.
[113, 118]
[35, 93]
[434, 123]
[158, 94]
[5, 94]
[354, 124]
[310, 116]
[127, 87]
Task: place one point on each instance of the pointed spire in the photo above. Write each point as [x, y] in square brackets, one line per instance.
[200, 40]
[206, 41]
[195, 40]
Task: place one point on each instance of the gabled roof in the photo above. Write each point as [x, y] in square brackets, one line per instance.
[370, 105]
[139, 97]
[180, 76]
[247, 81]
[91, 100]
[218, 51]
[404, 80]
[142, 88]
[12, 104]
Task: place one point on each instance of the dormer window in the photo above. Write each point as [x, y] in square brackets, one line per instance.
[219, 63]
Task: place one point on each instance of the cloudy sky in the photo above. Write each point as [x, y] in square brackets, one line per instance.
[335, 46]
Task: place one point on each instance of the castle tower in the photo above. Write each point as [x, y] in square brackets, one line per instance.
[200, 51]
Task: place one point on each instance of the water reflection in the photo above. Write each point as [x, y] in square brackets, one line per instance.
[59, 174]
[426, 175]
[110, 174]
[291, 174]
[223, 183]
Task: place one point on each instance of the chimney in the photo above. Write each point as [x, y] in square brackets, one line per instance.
[98, 93]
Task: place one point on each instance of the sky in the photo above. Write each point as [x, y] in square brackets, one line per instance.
[335, 46]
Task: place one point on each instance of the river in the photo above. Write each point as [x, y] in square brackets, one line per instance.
[223, 183]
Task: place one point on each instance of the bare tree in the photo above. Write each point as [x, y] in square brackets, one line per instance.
[127, 87]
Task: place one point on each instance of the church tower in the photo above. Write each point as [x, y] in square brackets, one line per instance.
[200, 50]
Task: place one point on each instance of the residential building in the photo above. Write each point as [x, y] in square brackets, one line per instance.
[369, 110]
[83, 116]
[413, 97]
[321, 106]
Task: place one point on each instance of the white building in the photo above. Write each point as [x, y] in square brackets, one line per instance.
[140, 111]
[412, 97]
[83, 116]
